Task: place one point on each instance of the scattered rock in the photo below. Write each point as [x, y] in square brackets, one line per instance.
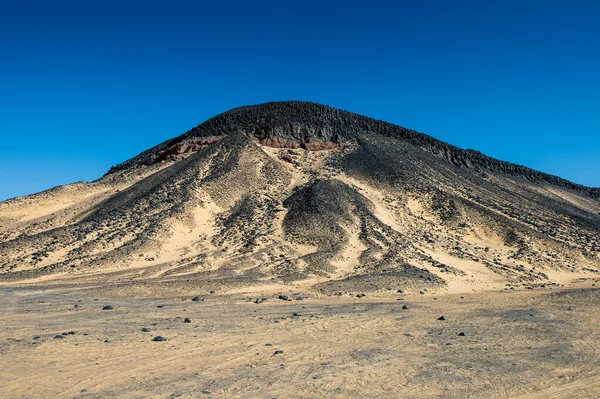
[187, 320]
[197, 299]
[145, 329]
[278, 352]
[462, 334]
[442, 318]
[404, 307]
[361, 295]
[59, 336]
[284, 297]
[158, 338]
[107, 307]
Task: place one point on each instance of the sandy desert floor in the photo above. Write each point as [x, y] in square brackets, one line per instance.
[58, 342]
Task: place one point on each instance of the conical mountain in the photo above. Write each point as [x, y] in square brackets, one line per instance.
[303, 193]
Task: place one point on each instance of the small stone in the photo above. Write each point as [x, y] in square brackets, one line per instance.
[145, 329]
[197, 299]
[187, 320]
[278, 352]
[400, 291]
[107, 307]
[212, 291]
[404, 307]
[158, 338]
[284, 297]
[461, 334]
[442, 318]
[361, 295]
[59, 336]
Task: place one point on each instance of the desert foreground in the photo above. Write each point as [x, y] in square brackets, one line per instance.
[61, 342]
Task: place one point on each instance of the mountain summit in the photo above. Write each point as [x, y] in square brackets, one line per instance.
[302, 193]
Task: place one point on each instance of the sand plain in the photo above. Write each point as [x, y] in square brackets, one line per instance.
[541, 343]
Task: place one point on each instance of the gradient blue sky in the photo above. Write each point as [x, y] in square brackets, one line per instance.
[87, 84]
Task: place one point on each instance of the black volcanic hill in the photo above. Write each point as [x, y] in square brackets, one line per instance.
[305, 121]
[301, 192]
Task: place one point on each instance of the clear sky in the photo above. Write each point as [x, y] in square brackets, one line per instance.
[87, 84]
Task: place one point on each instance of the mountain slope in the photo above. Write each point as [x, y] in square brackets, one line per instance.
[302, 193]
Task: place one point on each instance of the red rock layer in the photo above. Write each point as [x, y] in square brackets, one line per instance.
[309, 145]
[179, 150]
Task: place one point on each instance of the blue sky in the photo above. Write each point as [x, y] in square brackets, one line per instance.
[87, 84]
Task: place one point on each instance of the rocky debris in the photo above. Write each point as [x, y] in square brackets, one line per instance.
[107, 307]
[197, 299]
[159, 338]
[361, 295]
[187, 320]
[60, 336]
[278, 352]
[284, 297]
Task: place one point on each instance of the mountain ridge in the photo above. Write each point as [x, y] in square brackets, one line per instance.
[301, 122]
